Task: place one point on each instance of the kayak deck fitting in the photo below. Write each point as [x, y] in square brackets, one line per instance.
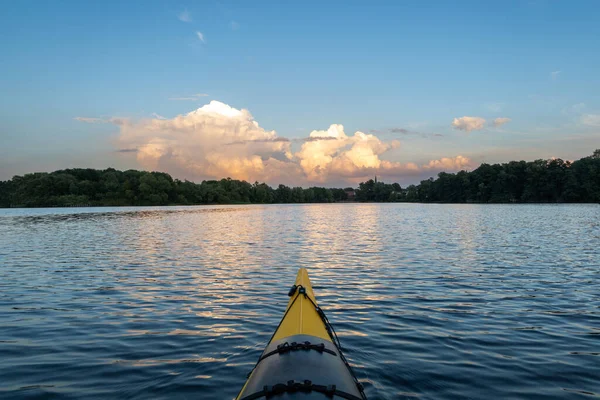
[303, 359]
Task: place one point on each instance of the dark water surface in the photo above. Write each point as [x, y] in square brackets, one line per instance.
[429, 301]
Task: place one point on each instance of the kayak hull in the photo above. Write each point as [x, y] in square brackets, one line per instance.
[300, 365]
[302, 359]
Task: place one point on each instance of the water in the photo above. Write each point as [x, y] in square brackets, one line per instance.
[430, 301]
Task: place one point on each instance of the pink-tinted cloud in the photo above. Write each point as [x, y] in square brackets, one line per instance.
[217, 141]
[468, 124]
[498, 122]
[591, 119]
[449, 164]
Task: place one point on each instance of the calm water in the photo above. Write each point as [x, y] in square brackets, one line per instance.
[430, 301]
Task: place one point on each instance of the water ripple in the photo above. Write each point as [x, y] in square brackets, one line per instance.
[430, 301]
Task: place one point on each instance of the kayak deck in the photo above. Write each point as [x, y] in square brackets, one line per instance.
[301, 317]
[303, 359]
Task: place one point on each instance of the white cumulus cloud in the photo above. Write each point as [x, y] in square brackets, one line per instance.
[200, 143]
[468, 124]
[339, 155]
[217, 141]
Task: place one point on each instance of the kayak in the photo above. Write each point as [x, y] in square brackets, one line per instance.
[303, 359]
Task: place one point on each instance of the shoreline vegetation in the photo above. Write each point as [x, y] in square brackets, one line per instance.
[539, 181]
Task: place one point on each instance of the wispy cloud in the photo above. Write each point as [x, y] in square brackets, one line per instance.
[185, 16]
[265, 140]
[158, 116]
[234, 26]
[591, 119]
[554, 75]
[468, 124]
[88, 120]
[200, 36]
[498, 122]
[282, 139]
[127, 150]
[112, 120]
[192, 97]
[410, 132]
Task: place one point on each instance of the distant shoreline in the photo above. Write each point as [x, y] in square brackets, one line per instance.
[275, 204]
[518, 182]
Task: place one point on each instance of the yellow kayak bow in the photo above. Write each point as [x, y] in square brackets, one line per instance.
[303, 359]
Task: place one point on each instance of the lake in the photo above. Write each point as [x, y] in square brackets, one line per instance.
[430, 301]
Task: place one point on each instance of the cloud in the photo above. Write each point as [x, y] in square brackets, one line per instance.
[157, 116]
[234, 26]
[498, 122]
[554, 75]
[343, 156]
[193, 97]
[449, 164]
[127, 150]
[90, 120]
[314, 139]
[199, 144]
[275, 139]
[408, 132]
[185, 16]
[200, 36]
[399, 130]
[468, 124]
[217, 141]
[591, 119]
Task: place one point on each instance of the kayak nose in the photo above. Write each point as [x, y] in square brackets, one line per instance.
[302, 358]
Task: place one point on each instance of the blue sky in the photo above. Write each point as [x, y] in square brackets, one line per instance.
[401, 71]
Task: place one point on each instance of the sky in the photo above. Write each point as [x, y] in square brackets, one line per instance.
[303, 93]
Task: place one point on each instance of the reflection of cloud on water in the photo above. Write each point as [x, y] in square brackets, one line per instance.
[327, 233]
[349, 332]
[148, 303]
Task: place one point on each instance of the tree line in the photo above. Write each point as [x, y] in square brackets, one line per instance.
[545, 181]
[540, 181]
[110, 187]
